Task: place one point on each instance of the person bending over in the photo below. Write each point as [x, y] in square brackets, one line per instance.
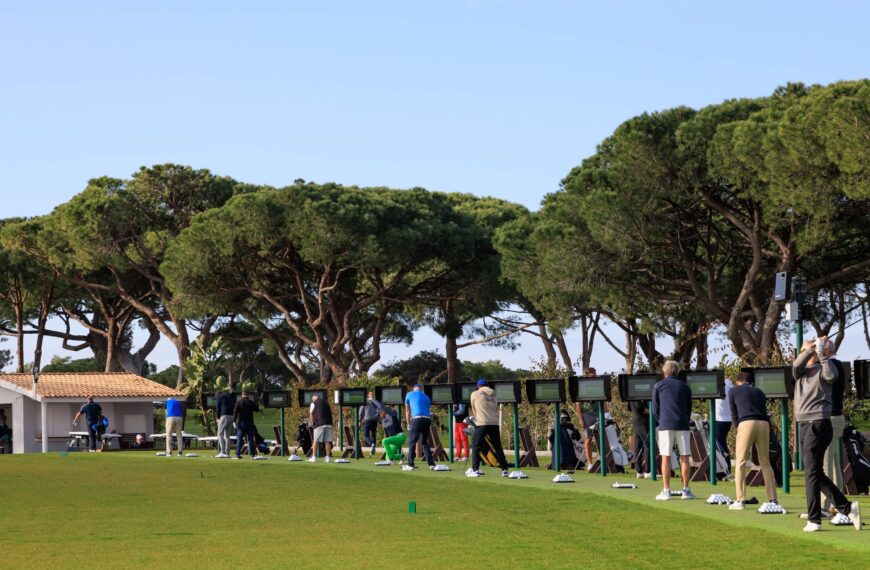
[394, 437]
[419, 419]
[815, 373]
[484, 408]
[672, 407]
[747, 407]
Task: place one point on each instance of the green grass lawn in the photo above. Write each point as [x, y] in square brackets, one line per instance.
[125, 510]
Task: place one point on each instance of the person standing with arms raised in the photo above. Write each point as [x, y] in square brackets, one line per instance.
[672, 408]
[419, 419]
[484, 410]
[814, 375]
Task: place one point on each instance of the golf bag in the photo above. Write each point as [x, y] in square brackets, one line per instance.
[568, 443]
[703, 428]
[854, 443]
[776, 456]
[303, 437]
[617, 452]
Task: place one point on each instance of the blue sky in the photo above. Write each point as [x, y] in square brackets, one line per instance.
[495, 98]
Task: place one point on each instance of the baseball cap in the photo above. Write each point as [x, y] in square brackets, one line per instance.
[481, 382]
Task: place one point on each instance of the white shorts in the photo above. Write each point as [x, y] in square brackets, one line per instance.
[667, 438]
[323, 434]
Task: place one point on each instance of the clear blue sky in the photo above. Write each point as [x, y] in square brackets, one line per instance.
[495, 98]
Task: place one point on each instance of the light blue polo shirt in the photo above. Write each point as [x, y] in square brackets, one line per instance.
[419, 402]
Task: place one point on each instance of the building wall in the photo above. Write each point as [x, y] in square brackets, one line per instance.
[25, 417]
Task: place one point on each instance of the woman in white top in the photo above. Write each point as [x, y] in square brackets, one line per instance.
[723, 422]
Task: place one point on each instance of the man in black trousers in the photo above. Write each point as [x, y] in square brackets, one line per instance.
[815, 373]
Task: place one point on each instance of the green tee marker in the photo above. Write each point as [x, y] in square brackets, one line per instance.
[412, 507]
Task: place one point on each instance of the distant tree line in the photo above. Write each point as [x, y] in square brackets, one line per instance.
[674, 227]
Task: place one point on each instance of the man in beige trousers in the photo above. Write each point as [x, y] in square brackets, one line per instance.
[749, 414]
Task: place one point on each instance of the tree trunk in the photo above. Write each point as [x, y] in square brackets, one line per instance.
[549, 349]
[563, 351]
[451, 351]
[630, 352]
[19, 336]
[701, 350]
[111, 339]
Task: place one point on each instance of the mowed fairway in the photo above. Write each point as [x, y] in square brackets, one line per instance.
[124, 510]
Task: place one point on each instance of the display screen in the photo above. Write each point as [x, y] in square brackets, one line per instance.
[771, 382]
[306, 395]
[640, 386]
[442, 394]
[590, 388]
[392, 395]
[465, 391]
[703, 384]
[353, 397]
[277, 399]
[547, 391]
[209, 401]
[504, 392]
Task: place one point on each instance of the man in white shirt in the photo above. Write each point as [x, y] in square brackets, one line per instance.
[723, 422]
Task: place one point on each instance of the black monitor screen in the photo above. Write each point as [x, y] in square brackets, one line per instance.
[590, 388]
[704, 385]
[505, 392]
[640, 386]
[306, 395]
[353, 397]
[277, 399]
[392, 395]
[547, 391]
[442, 394]
[209, 401]
[465, 391]
[771, 382]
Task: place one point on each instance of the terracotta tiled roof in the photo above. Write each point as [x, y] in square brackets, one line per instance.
[97, 384]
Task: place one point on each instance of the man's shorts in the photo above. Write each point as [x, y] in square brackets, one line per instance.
[667, 438]
[323, 434]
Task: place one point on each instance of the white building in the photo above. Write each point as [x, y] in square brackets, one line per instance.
[41, 415]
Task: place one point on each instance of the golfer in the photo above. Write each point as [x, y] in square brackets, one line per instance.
[224, 411]
[484, 409]
[460, 437]
[369, 421]
[243, 414]
[320, 418]
[748, 411]
[672, 407]
[832, 465]
[815, 373]
[174, 424]
[92, 412]
[419, 419]
[394, 437]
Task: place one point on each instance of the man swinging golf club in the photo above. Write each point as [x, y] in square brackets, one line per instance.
[484, 408]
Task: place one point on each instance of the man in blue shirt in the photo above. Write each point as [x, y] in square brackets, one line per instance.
[672, 407]
[174, 423]
[419, 419]
[92, 412]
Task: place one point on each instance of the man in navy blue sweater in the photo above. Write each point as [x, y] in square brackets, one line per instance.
[672, 407]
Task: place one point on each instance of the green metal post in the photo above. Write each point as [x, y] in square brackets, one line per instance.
[283, 436]
[602, 441]
[451, 427]
[783, 411]
[653, 458]
[357, 450]
[557, 457]
[711, 419]
[340, 427]
[516, 435]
